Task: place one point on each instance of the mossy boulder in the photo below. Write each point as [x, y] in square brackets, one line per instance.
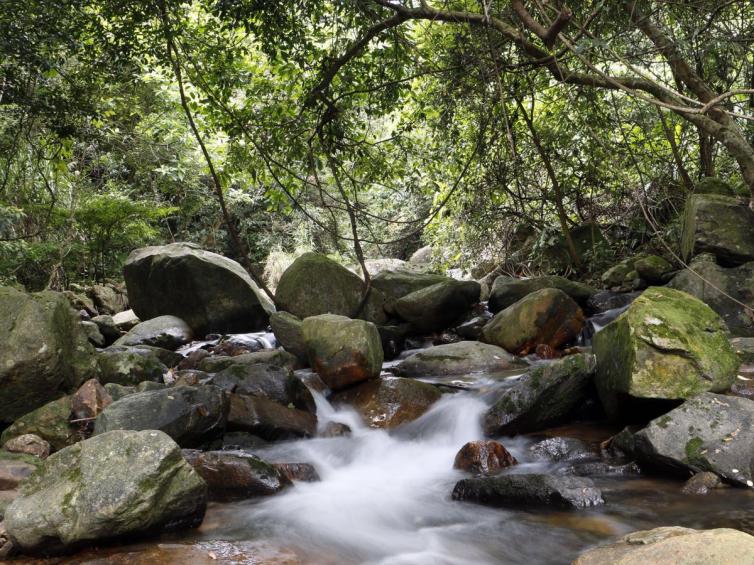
[51, 422]
[653, 269]
[130, 365]
[436, 307]
[288, 331]
[342, 351]
[210, 292]
[461, 358]
[167, 332]
[667, 345]
[315, 284]
[116, 484]
[720, 225]
[44, 353]
[508, 290]
[548, 316]
[543, 397]
[616, 275]
[714, 185]
[396, 284]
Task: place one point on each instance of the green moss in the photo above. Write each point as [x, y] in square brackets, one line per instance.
[664, 421]
[694, 451]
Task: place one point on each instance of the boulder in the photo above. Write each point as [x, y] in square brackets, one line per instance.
[44, 352]
[714, 185]
[720, 225]
[506, 291]
[190, 415]
[395, 284]
[715, 286]
[667, 345]
[167, 332]
[461, 358]
[92, 333]
[529, 490]
[28, 444]
[315, 284]
[14, 468]
[653, 269]
[50, 422]
[422, 256]
[616, 275]
[89, 400]
[116, 484]
[269, 420]
[210, 292]
[288, 331]
[304, 472]
[236, 475]
[675, 546]
[108, 298]
[436, 307]
[483, 458]
[541, 398]
[124, 321]
[548, 316]
[275, 357]
[710, 432]
[130, 366]
[381, 264]
[607, 300]
[389, 402]
[107, 328]
[342, 351]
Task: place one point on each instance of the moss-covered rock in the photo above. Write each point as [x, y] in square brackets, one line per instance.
[666, 345]
[396, 284]
[548, 316]
[210, 292]
[43, 353]
[653, 269]
[436, 307]
[117, 484]
[720, 225]
[130, 365]
[315, 284]
[616, 275]
[461, 358]
[342, 351]
[508, 290]
[714, 185]
[288, 331]
[51, 422]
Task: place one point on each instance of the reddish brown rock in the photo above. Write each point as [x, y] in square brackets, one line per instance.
[30, 444]
[269, 420]
[483, 457]
[298, 471]
[89, 400]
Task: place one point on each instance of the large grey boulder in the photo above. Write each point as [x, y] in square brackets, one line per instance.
[436, 307]
[44, 353]
[397, 283]
[210, 292]
[191, 415]
[315, 284]
[167, 332]
[508, 290]
[461, 358]
[720, 225]
[116, 484]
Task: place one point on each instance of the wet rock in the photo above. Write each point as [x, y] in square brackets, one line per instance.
[342, 351]
[189, 415]
[720, 225]
[667, 345]
[601, 468]
[674, 546]
[167, 332]
[28, 444]
[242, 441]
[288, 331]
[506, 291]
[92, 333]
[124, 321]
[472, 328]
[211, 293]
[275, 383]
[484, 457]
[315, 285]
[108, 299]
[116, 484]
[436, 307]
[51, 422]
[275, 357]
[130, 366]
[192, 360]
[389, 402]
[304, 472]
[547, 316]
[236, 475]
[269, 420]
[89, 400]
[710, 432]
[529, 490]
[702, 483]
[44, 352]
[541, 398]
[335, 429]
[460, 358]
[563, 449]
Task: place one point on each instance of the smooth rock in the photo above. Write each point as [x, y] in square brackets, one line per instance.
[108, 298]
[483, 457]
[167, 332]
[269, 420]
[436, 307]
[461, 358]
[288, 330]
[124, 321]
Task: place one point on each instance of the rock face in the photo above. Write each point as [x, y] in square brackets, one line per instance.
[342, 351]
[461, 358]
[390, 401]
[116, 484]
[719, 225]
[737, 282]
[168, 332]
[548, 316]
[269, 420]
[436, 307]
[711, 432]
[483, 458]
[288, 331]
[675, 546]
[508, 290]
[44, 353]
[189, 415]
[315, 284]
[541, 398]
[667, 345]
[50, 422]
[529, 490]
[210, 292]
